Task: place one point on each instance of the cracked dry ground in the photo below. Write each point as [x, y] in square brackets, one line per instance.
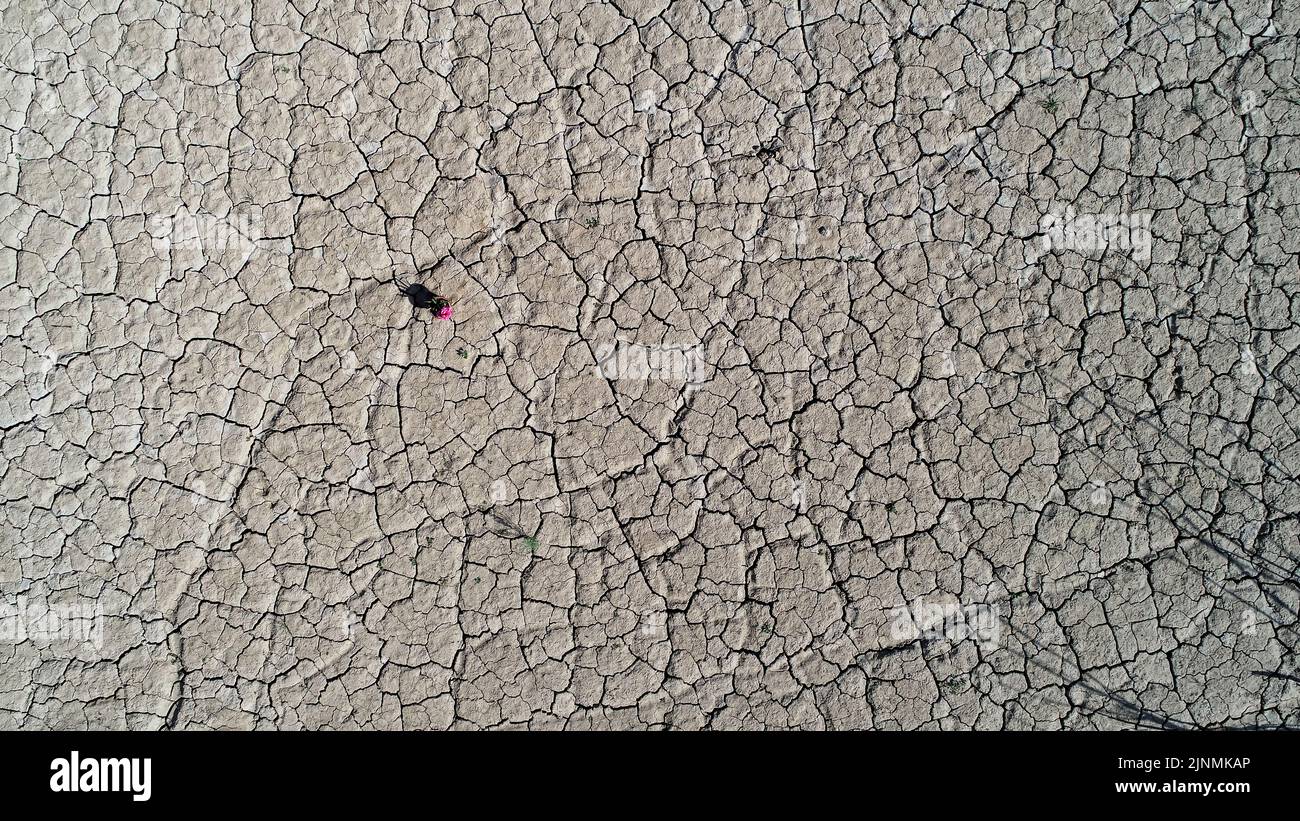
[294, 501]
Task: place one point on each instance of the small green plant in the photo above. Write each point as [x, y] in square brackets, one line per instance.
[462, 353]
[1051, 104]
[591, 222]
[531, 543]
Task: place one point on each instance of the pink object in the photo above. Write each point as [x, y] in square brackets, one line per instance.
[444, 312]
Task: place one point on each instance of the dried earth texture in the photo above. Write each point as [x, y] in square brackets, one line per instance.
[788, 382]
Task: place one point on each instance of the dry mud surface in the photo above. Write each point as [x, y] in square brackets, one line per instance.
[823, 366]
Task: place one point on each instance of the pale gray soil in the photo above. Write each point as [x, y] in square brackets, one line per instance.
[259, 489]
